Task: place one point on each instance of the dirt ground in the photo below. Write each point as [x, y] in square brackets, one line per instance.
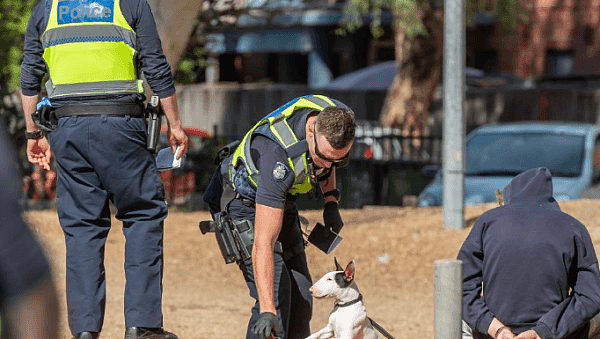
[395, 249]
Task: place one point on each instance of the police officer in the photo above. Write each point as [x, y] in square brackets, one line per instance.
[94, 53]
[287, 153]
[27, 295]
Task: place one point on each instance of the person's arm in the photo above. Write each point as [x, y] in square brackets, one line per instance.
[175, 133]
[475, 310]
[331, 212]
[268, 223]
[38, 150]
[584, 301]
[33, 69]
[154, 64]
[329, 184]
[497, 330]
[156, 69]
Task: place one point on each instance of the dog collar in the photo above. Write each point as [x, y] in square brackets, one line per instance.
[350, 302]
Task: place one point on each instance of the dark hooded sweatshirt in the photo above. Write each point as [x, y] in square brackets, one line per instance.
[524, 257]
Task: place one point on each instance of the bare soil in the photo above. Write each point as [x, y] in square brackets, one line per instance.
[395, 249]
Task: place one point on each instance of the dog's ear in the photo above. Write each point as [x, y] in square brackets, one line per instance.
[349, 272]
[338, 267]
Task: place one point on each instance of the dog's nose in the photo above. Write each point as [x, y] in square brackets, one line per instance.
[311, 289]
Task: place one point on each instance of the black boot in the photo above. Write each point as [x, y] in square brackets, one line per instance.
[87, 335]
[148, 333]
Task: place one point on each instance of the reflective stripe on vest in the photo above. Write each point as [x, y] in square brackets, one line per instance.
[90, 49]
[275, 126]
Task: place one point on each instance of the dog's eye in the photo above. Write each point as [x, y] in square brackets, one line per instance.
[329, 279]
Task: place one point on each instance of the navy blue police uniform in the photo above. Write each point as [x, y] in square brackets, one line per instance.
[102, 157]
[292, 278]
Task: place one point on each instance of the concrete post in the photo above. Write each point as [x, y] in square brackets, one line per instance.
[448, 299]
[454, 125]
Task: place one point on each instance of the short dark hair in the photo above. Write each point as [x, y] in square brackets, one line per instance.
[337, 124]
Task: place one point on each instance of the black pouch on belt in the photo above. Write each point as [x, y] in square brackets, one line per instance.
[45, 118]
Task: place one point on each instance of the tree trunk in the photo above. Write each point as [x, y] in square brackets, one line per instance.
[419, 73]
[175, 20]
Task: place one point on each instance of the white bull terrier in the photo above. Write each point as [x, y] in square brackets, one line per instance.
[348, 320]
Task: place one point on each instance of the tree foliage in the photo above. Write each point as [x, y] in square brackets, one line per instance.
[418, 38]
[409, 14]
[14, 15]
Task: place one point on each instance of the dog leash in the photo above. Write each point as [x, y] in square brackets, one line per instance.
[380, 329]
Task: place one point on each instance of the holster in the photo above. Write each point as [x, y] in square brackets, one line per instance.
[235, 237]
[154, 115]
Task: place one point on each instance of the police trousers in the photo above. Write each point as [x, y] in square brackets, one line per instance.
[101, 159]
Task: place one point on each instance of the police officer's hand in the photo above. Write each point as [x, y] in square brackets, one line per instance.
[39, 153]
[332, 217]
[267, 325]
[177, 137]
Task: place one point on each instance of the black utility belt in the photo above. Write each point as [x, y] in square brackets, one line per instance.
[121, 109]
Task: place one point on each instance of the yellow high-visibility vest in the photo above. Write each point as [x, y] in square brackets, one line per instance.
[89, 48]
[275, 126]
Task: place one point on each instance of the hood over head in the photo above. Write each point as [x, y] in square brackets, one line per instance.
[534, 185]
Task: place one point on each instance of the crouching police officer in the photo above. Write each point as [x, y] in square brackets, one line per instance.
[94, 54]
[255, 188]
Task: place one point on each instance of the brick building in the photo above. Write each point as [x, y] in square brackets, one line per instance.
[560, 39]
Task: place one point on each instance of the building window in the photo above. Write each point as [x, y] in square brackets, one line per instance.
[486, 61]
[560, 63]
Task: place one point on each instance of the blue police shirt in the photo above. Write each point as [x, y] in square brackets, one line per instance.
[154, 63]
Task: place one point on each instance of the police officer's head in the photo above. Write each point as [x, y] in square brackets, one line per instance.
[331, 135]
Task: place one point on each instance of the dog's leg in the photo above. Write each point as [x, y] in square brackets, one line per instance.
[324, 333]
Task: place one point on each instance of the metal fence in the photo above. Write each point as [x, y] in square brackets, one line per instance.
[375, 142]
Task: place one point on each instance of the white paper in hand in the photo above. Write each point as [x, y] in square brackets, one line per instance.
[177, 162]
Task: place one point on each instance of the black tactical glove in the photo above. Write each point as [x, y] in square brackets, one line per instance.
[267, 324]
[332, 217]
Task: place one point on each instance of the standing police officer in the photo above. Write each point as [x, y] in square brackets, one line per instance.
[285, 154]
[94, 52]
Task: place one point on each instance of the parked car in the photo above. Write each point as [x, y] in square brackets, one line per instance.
[496, 153]
[190, 180]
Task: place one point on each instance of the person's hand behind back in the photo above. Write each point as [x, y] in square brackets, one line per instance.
[529, 334]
